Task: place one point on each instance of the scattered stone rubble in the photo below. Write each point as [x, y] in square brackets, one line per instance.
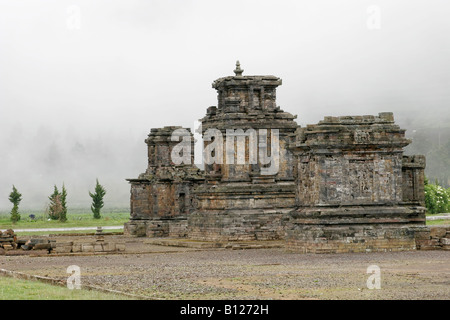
[9, 241]
[39, 244]
[433, 238]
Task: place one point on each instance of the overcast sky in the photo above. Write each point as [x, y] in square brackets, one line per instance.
[83, 82]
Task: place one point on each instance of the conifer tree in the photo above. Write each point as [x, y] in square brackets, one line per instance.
[63, 214]
[15, 197]
[97, 200]
[55, 206]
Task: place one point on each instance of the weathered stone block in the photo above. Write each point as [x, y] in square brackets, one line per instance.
[120, 247]
[76, 247]
[137, 228]
[42, 246]
[109, 247]
[428, 243]
[85, 247]
[422, 235]
[438, 232]
[63, 248]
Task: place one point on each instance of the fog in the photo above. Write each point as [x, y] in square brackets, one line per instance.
[83, 82]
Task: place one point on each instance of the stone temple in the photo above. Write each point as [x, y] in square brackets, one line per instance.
[342, 185]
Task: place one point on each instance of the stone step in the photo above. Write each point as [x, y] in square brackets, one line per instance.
[171, 242]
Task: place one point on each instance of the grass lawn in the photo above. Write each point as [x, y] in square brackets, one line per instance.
[438, 222]
[73, 220]
[18, 289]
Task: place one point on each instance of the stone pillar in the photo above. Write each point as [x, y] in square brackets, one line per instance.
[413, 168]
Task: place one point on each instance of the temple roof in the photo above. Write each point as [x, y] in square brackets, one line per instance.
[239, 80]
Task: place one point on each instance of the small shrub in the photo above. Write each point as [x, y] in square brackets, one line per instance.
[436, 198]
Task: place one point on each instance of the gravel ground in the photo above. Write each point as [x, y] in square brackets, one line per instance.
[183, 273]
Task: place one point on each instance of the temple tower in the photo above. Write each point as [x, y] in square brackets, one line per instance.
[249, 170]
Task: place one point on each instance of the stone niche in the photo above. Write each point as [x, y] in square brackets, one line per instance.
[161, 198]
[350, 192]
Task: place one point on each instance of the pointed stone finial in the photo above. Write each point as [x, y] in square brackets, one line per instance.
[238, 71]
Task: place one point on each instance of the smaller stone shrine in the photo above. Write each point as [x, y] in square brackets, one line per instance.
[163, 193]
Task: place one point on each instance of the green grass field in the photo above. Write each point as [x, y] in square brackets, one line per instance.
[437, 222]
[84, 218]
[18, 289]
[77, 219]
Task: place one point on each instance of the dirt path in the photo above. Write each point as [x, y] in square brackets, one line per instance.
[183, 273]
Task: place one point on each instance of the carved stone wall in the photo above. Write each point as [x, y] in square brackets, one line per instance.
[350, 160]
[350, 191]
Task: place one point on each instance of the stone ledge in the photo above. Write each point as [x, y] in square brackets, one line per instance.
[85, 247]
[171, 242]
